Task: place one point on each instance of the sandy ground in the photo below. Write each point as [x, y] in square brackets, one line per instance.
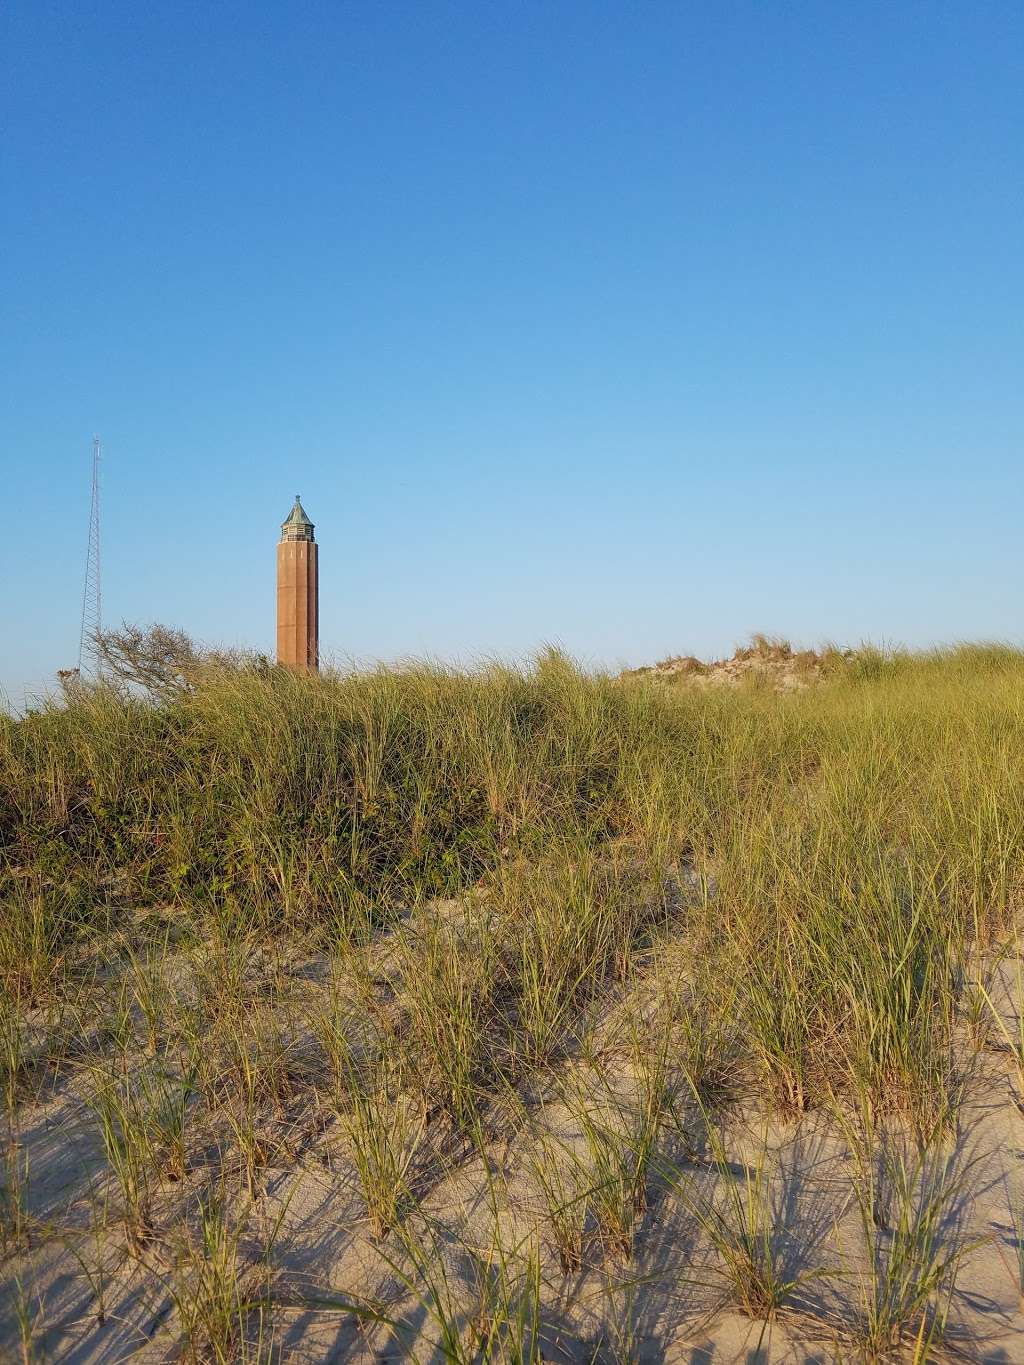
[774, 666]
[667, 1303]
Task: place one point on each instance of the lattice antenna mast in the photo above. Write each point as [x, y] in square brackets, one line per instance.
[92, 596]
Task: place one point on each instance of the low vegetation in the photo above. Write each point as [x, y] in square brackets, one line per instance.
[477, 1011]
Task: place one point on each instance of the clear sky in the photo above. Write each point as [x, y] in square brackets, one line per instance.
[632, 327]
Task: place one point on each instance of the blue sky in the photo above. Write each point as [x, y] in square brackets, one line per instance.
[632, 327]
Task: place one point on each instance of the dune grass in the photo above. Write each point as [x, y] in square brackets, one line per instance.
[791, 891]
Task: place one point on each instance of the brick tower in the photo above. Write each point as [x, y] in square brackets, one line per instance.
[298, 593]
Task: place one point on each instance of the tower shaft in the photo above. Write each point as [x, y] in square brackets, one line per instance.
[298, 594]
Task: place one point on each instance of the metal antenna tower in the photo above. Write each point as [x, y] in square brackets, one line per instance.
[92, 598]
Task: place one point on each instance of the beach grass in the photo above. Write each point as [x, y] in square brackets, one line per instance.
[397, 917]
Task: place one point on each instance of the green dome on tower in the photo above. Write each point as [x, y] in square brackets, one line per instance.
[297, 526]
